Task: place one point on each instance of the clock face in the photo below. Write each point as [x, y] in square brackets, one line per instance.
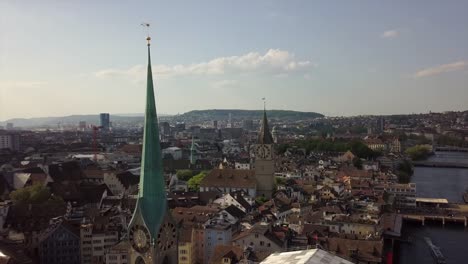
[267, 151]
[167, 236]
[140, 238]
[263, 151]
[139, 260]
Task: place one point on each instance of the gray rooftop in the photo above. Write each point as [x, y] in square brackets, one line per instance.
[311, 256]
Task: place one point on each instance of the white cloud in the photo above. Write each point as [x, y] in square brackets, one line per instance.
[224, 83]
[454, 66]
[274, 61]
[21, 84]
[389, 34]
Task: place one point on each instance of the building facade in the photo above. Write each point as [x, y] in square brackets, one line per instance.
[60, 244]
[95, 242]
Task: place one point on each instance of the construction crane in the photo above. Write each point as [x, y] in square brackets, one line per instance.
[95, 132]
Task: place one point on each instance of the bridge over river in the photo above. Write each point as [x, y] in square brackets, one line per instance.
[442, 212]
[449, 149]
[440, 164]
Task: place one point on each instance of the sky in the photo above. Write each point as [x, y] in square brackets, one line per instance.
[339, 58]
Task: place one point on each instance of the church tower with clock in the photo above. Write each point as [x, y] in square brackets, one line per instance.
[264, 160]
[152, 232]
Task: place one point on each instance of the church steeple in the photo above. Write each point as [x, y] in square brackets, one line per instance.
[152, 232]
[265, 137]
[152, 202]
[264, 160]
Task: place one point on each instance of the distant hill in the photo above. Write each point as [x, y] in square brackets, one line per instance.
[223, 114]
[68, 120]
[195, 115]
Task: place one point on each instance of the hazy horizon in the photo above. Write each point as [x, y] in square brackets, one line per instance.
[59, 58]
[166, 114]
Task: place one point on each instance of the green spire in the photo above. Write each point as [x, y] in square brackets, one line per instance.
[152, 202]
[192, 152]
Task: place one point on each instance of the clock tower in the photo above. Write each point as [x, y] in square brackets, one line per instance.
[152, 232]
[264, 160]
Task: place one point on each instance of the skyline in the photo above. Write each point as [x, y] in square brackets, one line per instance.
[304, 57]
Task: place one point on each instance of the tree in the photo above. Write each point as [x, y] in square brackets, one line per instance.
[362, 151]
[357, 162]
[280, 181]
[194, 182]
[281, 148]
[184, 175]
[404, 171]
[261, 200]
[418, 152]
[36, 195]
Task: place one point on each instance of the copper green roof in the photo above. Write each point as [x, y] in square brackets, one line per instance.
[192, 152]
[152, 193]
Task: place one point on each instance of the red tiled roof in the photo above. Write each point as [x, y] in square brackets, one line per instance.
[230, 178]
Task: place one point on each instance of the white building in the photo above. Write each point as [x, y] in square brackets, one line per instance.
[242, 166]
[118, 254]
[405, 194]
[175, 152]
[228, 200]
[95, 242]
[311, 256]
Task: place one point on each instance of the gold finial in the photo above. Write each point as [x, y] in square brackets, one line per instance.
[148, 38]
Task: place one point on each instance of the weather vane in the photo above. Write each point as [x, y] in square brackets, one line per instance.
[147, 25]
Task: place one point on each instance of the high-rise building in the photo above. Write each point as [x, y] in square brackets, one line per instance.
[215, 124]
[9, 140]
[381, 124]
[105, 121]
[247, 124]
[180, 127]
[82, 125]
[264, 160]
[230, 124]
[152, 234]
[165, 128]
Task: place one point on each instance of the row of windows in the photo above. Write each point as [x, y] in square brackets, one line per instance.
[62, 243]
[262, 243]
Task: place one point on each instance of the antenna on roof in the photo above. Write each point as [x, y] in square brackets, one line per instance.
[264, 103]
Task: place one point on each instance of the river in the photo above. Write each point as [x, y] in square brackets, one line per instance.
[447, 183]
